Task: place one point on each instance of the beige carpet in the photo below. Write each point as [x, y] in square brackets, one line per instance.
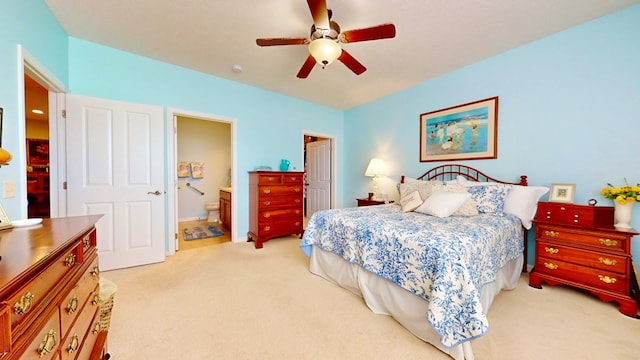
[231, 301]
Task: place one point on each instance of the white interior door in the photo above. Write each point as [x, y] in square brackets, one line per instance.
[318, 176]
[115, 167]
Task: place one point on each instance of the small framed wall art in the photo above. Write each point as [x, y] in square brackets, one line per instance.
[563, 193]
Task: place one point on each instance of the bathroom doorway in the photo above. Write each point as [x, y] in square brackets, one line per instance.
[203, 163]
[319, 167]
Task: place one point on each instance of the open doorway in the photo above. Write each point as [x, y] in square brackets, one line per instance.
[319, 160]
[37, 148]
[206, 143]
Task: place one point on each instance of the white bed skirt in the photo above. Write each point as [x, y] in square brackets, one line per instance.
[384, 297]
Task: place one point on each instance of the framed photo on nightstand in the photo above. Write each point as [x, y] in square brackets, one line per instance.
[563, 193]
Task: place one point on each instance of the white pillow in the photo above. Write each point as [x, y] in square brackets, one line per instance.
[424, 187]
[469, 207]
[522, 201]
[442, 203]
[411, 201]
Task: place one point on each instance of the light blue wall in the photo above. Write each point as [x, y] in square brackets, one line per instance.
[270, 126]
[569, 112]
[31, 25]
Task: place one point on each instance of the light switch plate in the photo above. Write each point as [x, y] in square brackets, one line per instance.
[9, 189]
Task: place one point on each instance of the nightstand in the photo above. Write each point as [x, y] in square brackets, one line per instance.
[367, 202]
[577, 245]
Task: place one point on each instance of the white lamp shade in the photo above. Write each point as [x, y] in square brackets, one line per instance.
[376, 167]
[325, 51]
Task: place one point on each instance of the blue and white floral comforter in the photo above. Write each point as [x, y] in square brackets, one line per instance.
[445, 261]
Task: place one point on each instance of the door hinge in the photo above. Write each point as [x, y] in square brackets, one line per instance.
[64, 114]
[176, 236]
[64, 185]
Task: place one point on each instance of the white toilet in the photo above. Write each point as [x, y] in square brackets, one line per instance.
[214, 211]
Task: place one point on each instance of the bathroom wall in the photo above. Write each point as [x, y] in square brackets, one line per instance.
[208, 142]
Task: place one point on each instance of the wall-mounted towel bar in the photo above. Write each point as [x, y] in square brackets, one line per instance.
[189, 185]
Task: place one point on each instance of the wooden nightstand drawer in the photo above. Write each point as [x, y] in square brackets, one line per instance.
[594, 259]
[609, 241]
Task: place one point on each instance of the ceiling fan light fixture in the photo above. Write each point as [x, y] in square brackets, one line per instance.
[325, 51]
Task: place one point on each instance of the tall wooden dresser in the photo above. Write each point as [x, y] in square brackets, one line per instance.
[578, 245]
[275, 205]
[49, 291]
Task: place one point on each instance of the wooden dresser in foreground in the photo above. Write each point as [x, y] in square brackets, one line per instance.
[49, 291]
[578, 245]
[275, 205]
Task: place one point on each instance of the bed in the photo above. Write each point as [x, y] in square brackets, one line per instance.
[433, 269]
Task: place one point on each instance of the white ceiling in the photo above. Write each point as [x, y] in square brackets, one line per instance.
[433, 37]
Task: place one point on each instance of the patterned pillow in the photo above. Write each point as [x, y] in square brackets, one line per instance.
[489, 199]
[411, 201]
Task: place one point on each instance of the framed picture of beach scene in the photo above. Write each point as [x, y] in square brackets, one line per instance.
[462, 132]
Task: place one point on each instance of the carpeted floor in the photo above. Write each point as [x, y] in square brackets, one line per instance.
[231, 301]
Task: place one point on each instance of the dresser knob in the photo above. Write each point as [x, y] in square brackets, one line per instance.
[70, 260]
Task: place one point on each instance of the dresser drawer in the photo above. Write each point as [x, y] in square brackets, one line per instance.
[89, 243]
[73, 341]
[27, 301]
[270, 179]
[292, 178]
[593, 259]
[583, 275]
[283, 227]
[575, 215]
[274, 202]
[282, 214]
[92, 337]
[266, 192]
[608, 241]
[85, 290]
[45, 345]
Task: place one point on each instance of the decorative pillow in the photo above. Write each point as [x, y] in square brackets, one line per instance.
[442, 203]
[424, 187]
[522, 201]
[411, 201]
[489, 199]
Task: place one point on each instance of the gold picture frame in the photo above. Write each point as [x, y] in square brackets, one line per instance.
[5, 223]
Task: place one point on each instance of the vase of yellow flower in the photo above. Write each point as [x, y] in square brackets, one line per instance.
[623, 199]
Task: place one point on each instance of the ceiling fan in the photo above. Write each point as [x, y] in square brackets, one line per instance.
[324, 47]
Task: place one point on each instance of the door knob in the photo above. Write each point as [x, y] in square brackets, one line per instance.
[157, 192]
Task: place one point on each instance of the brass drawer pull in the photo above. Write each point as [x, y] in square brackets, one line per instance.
[48, 344]
[551, 250]
[267, 191]
[73, 305]
[96, 328]
[551, 233]
[608, 242]
[293, 178]
[24, 305]
[271, 178]
[607, 279]
[70, 260]
[297, 212]
[267, 203]
[96, 299]
[267, 228]
[607, 261]
[74, 344]
[297, 223]
[297, 190]
[266, 215]
[297, 201]
[551, 266]
[95, 272]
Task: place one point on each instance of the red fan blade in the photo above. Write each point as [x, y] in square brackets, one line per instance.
[319, 13]
[353, 64]
[384, 31]
[306, 67]
[281, 41]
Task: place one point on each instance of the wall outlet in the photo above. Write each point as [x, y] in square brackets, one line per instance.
[9, 189]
